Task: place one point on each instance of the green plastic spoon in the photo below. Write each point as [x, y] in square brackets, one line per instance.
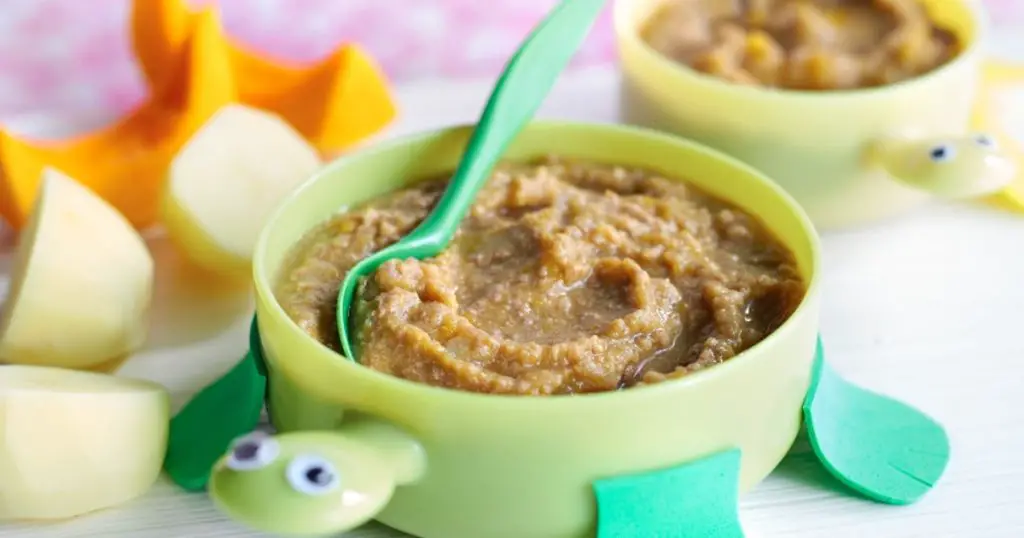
[520, 90]
[879, 447]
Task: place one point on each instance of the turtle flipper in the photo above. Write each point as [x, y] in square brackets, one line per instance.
[879, 447]
[224, 410]
[203, 430]
[695, 500]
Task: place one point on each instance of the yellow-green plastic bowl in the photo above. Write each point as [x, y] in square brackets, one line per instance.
[522, 467]
[819, 145]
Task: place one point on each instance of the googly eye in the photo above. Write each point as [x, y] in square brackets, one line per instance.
[252, 452]
[942, 153]
[312, 475]
[985, 140]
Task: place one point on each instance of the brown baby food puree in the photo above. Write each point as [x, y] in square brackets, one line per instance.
[566, 277]
[802, 44]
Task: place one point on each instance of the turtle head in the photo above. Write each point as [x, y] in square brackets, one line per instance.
[310, 483]
[959, 167]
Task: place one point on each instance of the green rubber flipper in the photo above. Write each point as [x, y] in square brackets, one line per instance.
[203, 430]
[695, 500]
[879, 447]
[256, 348]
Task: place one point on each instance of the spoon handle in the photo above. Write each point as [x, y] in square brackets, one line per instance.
[524, 83]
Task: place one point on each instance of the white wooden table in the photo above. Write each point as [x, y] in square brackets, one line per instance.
[929, 308]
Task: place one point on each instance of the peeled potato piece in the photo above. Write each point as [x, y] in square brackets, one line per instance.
[227, 180]
[73, 442]
[81, 283]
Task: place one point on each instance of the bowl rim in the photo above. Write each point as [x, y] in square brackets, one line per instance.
[628, 32]
[413, 390]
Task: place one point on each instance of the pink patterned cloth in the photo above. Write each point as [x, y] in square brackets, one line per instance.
[61, 57]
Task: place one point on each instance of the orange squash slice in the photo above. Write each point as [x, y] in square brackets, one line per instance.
[333, 103]
[193, 70]
[125, 163]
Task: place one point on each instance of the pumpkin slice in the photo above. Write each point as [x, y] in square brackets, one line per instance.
[334, 103]
[126, 162]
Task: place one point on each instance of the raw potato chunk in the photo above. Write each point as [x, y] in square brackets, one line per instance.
[81, 283]
[73, 442]
[227, 180]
